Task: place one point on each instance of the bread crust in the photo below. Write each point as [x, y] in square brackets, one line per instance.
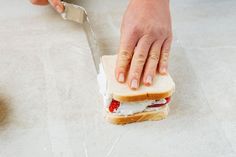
[139, 117]
[122, 93]
[147, 96]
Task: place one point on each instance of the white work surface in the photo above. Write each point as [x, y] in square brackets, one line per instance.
[50, 105]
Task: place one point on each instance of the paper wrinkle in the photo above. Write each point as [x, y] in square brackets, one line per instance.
[114, 144]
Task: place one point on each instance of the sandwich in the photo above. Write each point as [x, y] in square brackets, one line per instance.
[123, 105]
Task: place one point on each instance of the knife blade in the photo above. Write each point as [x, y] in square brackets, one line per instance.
[79, 15]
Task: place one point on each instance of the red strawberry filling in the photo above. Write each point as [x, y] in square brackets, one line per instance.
[116, 104]
[158, 105]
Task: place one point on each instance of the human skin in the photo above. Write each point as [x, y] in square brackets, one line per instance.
[145, 41]
[56, 4]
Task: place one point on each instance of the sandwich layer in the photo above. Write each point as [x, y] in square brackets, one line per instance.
[142, 97]
[162, 86]
[130, 108]
[124, 105]
[160, 114]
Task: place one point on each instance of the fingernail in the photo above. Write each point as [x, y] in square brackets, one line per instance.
[134, 84]
[121, 77]
[59, 8]
[149, 79]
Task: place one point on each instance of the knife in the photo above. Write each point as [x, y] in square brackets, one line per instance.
[79, 15]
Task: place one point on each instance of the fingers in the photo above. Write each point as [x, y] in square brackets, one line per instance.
[165, 50]
[57, 5]
[39, 2]
[138, 61]
[127, 45]
[152, 62]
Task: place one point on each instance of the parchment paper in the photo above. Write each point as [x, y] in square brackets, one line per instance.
[54, 108]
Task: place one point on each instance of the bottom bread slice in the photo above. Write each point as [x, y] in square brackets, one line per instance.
[160, 114]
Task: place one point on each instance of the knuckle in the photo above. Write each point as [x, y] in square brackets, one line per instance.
[153, 57]
[141, 56]
[164, 57]
[163, 32]
[140, 61]
[136, 28]
[165, 53]
[163, 29]
[166, 50]
[124, 60]
[147, 40]
[121, 66]
[125, 55]
[134, 31]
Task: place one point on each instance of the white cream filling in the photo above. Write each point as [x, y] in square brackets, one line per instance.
[129, 108]
[125, 108]
[102, 83]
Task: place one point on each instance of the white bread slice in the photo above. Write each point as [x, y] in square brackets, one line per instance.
[160, 114]
[162, 87]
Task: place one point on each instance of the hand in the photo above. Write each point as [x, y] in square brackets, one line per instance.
[145, 42]
[55, 3]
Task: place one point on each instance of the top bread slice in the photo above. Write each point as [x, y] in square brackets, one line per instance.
[163, 86]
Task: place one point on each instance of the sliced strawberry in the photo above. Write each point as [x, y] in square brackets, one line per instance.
[167, 100]
[114, 105]
[158, 105]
